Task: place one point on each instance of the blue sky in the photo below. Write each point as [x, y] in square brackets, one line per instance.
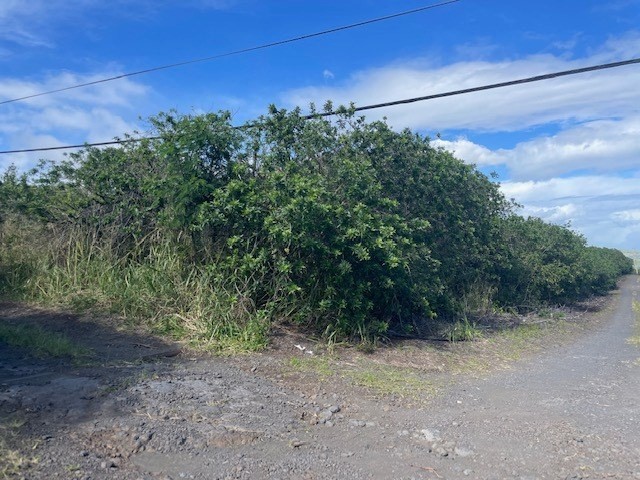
[567, 149]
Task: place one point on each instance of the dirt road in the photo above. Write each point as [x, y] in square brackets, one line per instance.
[134, 411]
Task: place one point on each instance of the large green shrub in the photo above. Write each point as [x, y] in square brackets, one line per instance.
[342, 226]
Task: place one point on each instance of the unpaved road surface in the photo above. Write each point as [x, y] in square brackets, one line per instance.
[134, 410]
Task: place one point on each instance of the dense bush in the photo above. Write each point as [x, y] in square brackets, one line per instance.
[544, 263]
[600, 268]
[346, 227]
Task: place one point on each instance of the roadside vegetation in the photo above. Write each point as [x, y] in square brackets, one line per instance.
[40, 342]
[635, 256]
[346, 229]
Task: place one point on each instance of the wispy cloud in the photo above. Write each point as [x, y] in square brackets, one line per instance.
[570, 189]
[34, 23]
[20, 23]
[631, 216]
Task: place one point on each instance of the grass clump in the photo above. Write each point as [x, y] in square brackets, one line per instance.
[464, 331]
[13, 462]
[40, 342]
[157, 286]
[522, 334]
[320, 366]
[392, 381]
[379, 379]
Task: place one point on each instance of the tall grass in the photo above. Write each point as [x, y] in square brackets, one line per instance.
[154, 285]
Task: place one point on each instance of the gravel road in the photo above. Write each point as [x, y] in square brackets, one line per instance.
[570, 413]
[139, 412]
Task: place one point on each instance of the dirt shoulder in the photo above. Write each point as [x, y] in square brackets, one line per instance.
[553, 398]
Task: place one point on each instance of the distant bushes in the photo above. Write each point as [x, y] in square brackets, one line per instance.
[550, 264]
[344, 227]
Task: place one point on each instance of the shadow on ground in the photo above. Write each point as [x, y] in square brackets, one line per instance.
[42, 396]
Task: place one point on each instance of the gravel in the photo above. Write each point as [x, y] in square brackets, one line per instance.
[571, 411]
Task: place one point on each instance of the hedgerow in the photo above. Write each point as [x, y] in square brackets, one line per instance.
[343, 227]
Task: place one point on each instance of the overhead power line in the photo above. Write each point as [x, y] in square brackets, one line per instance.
[235, 52]
[537, 78]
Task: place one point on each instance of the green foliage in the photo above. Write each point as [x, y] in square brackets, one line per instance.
[463, 331]
[550, 264]
[539, 262]
[634, 255]
[345, 227]
[600, 268]
[463, 208]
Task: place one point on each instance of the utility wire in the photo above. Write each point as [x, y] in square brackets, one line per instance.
[236, 52]
[537, 78]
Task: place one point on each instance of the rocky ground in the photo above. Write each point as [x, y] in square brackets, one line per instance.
[559, 399]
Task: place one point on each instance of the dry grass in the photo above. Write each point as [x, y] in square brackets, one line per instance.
[13, 462]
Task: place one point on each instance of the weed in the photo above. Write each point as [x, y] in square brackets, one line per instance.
[128, 381]
[551, 314]
[393, 381]
[366, 346]
[174, 297]
[41, 342]
[522, 333]
[544, 313]
[464, 330]
[13, 462]
[511, 343]
[319, 366]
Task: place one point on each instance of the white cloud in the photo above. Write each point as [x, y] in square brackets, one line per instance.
[603, 208]
[91, 114]
[470, 152]
[591, 186]
[19, 22]
[632, 216]
[116, 92]
[604, 94]
[561, 214]
[597, 146]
